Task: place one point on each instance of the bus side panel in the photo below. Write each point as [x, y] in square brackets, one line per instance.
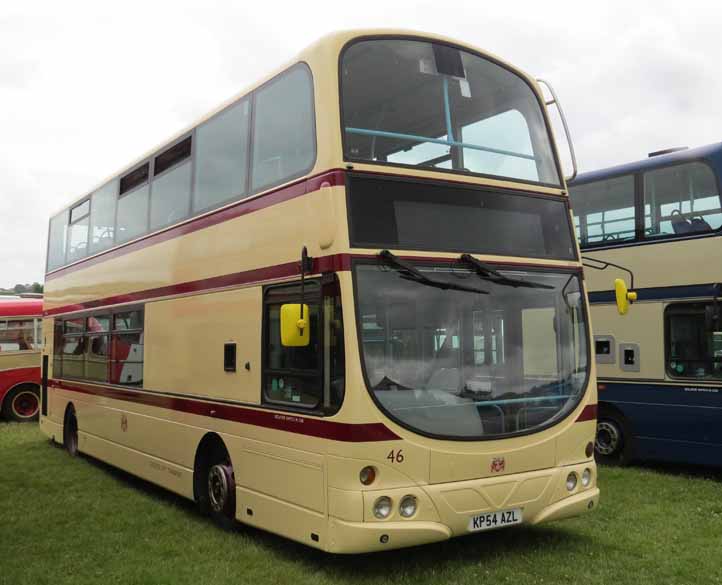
[670, 422]
[173, 477]
[287, 474]
[643, 325]
[184, 345]
[280, 517]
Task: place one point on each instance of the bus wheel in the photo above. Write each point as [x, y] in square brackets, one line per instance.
[609, 444]
[22, 404]
[70, 432]
[222, 493]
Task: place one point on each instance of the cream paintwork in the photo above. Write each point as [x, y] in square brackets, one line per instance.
[659, 264]
[12, 360]
[191, 332]
[297, 485]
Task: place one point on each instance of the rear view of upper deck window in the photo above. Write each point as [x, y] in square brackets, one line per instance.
[429, 105]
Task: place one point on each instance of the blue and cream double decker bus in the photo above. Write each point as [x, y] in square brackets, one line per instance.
[660, 366]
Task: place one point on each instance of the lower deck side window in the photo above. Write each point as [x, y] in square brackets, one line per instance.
[101, 347]
[694, 340]
[20, 334]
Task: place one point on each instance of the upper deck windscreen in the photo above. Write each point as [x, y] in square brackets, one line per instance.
[409, 102]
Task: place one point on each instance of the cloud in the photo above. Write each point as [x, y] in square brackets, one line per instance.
[85, 88]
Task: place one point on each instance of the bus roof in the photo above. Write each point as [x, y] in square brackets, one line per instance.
[15, 307]
[709, 152]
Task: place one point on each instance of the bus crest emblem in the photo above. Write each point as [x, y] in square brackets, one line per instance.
[497, 464]
[123, 423]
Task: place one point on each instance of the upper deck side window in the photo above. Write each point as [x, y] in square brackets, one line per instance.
[132, 212]
[170, 196]
[604, 211]
[410, 102]
[222, 157]
[209, 167]
[284, 136]
[682, 199]
[78, 230]
[57, 238]
[677, 200]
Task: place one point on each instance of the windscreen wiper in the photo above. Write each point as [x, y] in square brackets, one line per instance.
[488, 273]
[410, 272]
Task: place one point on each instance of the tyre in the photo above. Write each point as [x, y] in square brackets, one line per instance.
[218, 485]
[70, 432]
[611, 441]
[22, 404]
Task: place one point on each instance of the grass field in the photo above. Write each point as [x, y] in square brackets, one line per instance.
[76, 521]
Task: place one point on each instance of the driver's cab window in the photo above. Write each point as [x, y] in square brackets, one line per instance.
[310, 377]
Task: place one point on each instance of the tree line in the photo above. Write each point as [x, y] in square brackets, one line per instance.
[35, 287]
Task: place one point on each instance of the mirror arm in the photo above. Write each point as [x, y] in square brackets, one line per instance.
[306, 265]
[604, 265]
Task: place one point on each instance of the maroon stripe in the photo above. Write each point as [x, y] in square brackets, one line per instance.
[291, 423]
[322, 264]
[588, 413]
[333, 177]
[333, 263]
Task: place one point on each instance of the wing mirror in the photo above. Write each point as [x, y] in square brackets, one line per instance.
[295, 328]
[624, 296]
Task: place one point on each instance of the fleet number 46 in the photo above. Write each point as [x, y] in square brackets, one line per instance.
[396, 456]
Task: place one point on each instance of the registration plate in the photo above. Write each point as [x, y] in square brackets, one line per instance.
[495, 519]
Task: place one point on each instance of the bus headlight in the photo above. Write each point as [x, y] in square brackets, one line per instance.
[571, 481]
[382, 507]
[586, 477]
[407, 507]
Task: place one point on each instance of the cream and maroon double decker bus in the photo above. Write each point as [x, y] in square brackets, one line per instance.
[346, 307]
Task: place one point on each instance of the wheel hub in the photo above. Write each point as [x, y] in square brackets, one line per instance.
[25, 404]
[608, 438]
[219, 486]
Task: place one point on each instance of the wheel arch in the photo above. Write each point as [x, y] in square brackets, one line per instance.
[209, 445]
[611, 410]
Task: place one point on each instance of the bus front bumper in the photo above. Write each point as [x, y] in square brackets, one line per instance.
[541, 496]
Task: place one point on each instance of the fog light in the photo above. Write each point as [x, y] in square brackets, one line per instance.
[586, 477]
[571, 481]
[367, 475]
[407, 507]
[382, 507]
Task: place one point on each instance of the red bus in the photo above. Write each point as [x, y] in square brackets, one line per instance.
[20, 343]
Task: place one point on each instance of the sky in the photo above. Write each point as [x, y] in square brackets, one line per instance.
[85, 88]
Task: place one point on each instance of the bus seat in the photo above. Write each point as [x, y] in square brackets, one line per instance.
[679, 224]
[699, 225]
